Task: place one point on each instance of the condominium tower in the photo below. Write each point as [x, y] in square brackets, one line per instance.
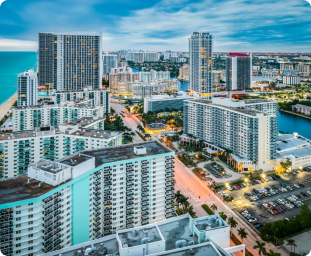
[201, 63]
[85, 196]
[70, 61]
[239, 72]
[27, 88]
[110, 61]
[248, 128]
[19, 149]
[31, 117]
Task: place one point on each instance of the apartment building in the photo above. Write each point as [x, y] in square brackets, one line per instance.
[86, 196]
[19, 149]
[304, 70]
[100, 97]
[70, 61]
[236, 125]
[151, 56]
[184, 72]
[176, 236]
[110, 61]
[28, 118]
[141, 91]
[201, 63]
[122, 74]
[239, 71]
[147, 77]
[27, 88]
[137, 57]
[164, 103]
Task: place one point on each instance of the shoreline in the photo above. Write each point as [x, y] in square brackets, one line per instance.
[301, 115]
[6, 106]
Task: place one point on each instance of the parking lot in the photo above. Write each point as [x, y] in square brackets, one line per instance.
[284, 199]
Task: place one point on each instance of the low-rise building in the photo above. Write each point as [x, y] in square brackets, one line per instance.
[19, 149]
[166, 103]
[30, 117]
[86, 196]
[182, 235]
[291, 80]
[156, 128]
[295, 148]
[303, 109]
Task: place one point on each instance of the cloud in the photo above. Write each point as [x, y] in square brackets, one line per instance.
[17, 45]
[237, 25]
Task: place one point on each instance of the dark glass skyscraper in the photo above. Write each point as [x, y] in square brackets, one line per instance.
[70, 61]
[239, 72]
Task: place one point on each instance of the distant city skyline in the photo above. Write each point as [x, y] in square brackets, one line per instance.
[238, 25]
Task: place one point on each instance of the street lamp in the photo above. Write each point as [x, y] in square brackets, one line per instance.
[246, 180]
[263, 175]
[227, 184]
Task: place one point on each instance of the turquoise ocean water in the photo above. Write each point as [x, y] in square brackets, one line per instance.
[11, 64]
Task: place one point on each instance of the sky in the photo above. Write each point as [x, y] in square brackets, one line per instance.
[159, 25]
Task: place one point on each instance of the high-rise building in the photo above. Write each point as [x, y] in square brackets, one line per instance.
[109, 61]
[239, 72]
[201, 63]
[247, 127]
[27, 88]
[122, 74]
[85, 196]
[137, 57]
[70, 61]
[151, 56]
[19, 149]
[141, 91]
[31, 117]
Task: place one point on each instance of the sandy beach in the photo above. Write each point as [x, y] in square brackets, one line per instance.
[5, 107]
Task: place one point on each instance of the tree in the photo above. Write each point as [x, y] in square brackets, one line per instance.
[223, 215]
[286, 165]
[242, 234]
[261, 248]
[291, 242]
[232, 223]
[191, 212]
[214, 207]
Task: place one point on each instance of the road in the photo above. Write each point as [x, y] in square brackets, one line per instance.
[129, 121]
[191, 186]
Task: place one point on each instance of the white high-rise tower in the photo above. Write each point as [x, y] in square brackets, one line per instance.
[201, 77]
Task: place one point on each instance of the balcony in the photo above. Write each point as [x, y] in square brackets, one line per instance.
[96, 229]
[145, 222]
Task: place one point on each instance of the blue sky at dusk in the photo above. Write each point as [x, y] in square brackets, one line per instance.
[237, 25]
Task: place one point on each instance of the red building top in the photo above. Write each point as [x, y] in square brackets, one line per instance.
[236, 54]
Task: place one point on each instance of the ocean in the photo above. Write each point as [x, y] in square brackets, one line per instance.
[11, 64]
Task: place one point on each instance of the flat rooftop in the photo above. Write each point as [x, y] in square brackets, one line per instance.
[130, 239]
[247, 111]
[124, 152]
[102, 134]
[76, 160]
[156, 126]
[172, 230]
[67, 104]
[86, 121]
[298, 153]
[213, 222]
[254, 101]
[17, 189]
[290, 144]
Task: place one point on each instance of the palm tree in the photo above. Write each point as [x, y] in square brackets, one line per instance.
[223, 215]
[291, 242]
[148, 136]
[214, 207]
[242, 234]
[178, 195]
[261, 248]
[184, 202]
[192, 213]
[232, 223]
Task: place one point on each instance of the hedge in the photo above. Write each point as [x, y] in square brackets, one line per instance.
[140, 135]
[207, 209]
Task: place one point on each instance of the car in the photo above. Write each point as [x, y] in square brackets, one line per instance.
[238, 186]
[301, 184]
